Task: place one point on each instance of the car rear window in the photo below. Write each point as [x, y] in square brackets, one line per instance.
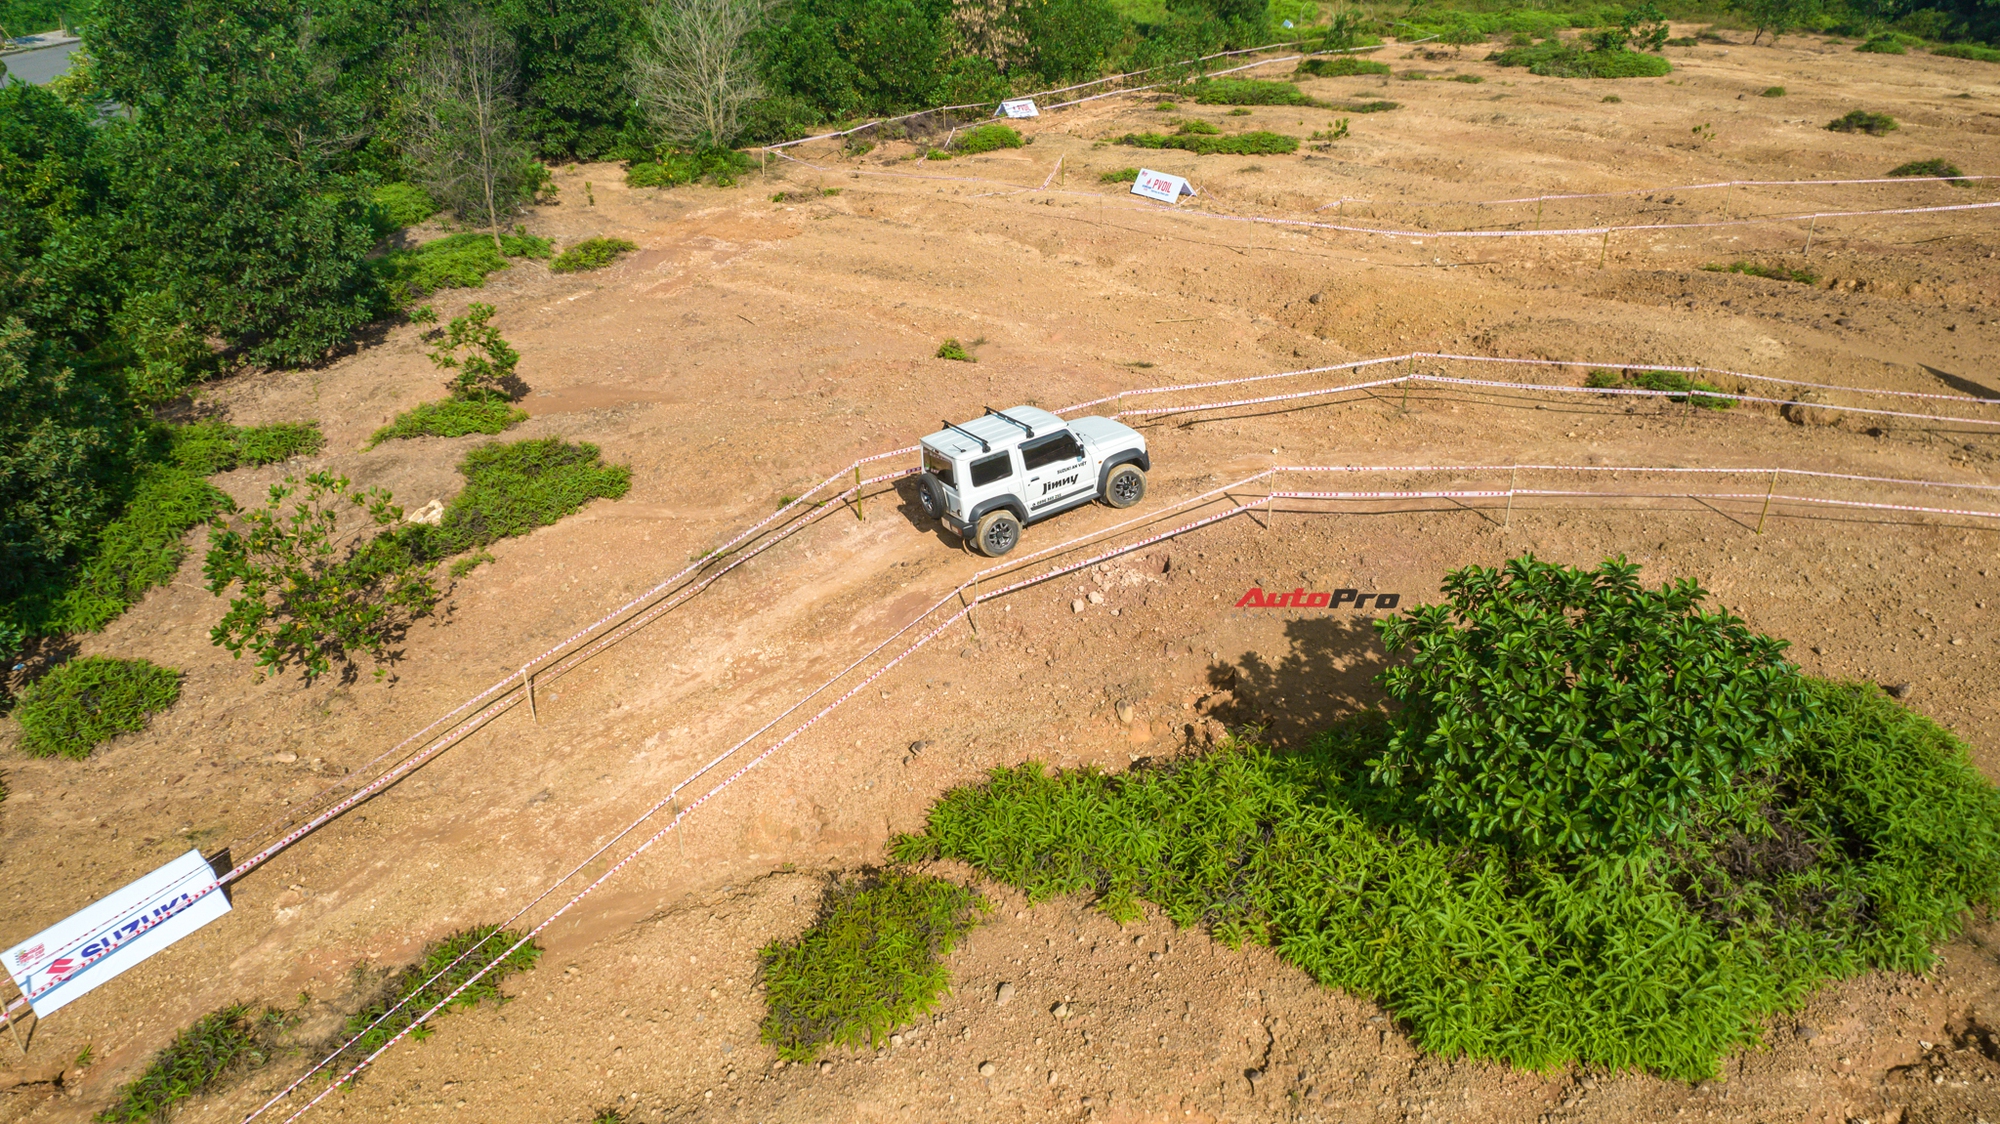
[940, 466]
[1053, 449]
[990, 469]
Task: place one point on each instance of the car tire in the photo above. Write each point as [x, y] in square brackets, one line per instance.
[930, 495]
[998, 533]
[1125, 486]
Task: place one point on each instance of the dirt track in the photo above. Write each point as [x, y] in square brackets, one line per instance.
[751, 347]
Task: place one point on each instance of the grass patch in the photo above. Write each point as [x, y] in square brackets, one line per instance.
[1193, 127]
[90, 700]
[1238, 112]
[1768, 272]
[1413, 76]
[719, 166]
[1467, 78]
[511, 489]
[1249, 91]
[1122, 175]
[1862, 121]
[1772, 92]
[1839, 833]
[1611, 99]
[1939, 169]
[1678, 386]
[1369, 107]
[1556, 59]
[195, 1061]
[452, 417]
[409, 995]
[1884, 45]
[456, 261]
[1167, 107]
[937, 154]
[1975, 51]
[1259, 143]
[591, 253]
[1345, 66]
[398, 205]
[987, 138]
[208, 447]
[140, 549]
[872, 961]
[952, 349]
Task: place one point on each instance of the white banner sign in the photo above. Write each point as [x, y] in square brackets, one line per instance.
[1019, 107]
[91, 946]
[1161, 186]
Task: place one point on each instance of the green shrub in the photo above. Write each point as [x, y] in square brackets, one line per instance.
[1249, 91]
[1122, 175]
[1369, 107]
[398, 205]
[453, 417]
[1974, 51]
[1768, 272]
[937, 154]
[873, 961]
[591, 253]
[1338, 132]
[1344, 66]
[952, 349]
[1413, 76]
[720, 166]
[1772, 92]
[1195, 128]
[1611, 99]
[986, 138]
[1884, 45]
[511, 489]
[456, 261]
[1855, 836]
[200, 1056]
[1259, 143]
[1683, 41]
[1555, 59]
[1861, 121]
[73, 708]
[1468, 78]
[1935, 168]
[140, 549]
[210, 446]
[410, 993]
[1679, 387]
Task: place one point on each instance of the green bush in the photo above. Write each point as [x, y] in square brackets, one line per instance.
[986, 138]
[512, 489]
[952, 349]
[410, 993]
[1369, 107]
[1884, 45]
[591, 253]
[453, 417]
[1679, 387]
[456, 261]
[720, 166]
[1855, 837]
[212, 445]
[1191, 127]
[398, 205]
[1974, 51]
[1935, 168]
[73, 708]
[1259, 143]
[1772, 92]
[1122, 175]
[1555, 59]
[140, 549]
[1768, 272]
[1344, 66]
[200, 1056]
[1469, 78]
[1249, 91]
[1861, 121]
[873, 961]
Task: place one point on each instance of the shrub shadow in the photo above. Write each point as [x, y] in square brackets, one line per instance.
[1328, 674]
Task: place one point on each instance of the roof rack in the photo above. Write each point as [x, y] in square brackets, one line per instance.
[983, 446]
[1016, 421]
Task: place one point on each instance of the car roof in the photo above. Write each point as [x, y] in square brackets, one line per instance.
[997, 432]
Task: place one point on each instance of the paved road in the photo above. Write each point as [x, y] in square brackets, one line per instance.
[39, 66]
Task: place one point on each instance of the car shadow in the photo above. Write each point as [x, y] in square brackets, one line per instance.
[912, 509]
[1328, 673]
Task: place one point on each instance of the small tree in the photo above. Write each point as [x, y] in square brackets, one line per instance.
[460, 121]
[1642, 27]
[481, 362]
[692, 69]
[311, 594]
[1777, 16]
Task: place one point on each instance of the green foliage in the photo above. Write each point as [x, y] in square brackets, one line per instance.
[986, 138]
[1194, 127]
[720, 166]
[591, 253]
[1343, 66]
[1974, 51]
[134, 552]
[1778, 17]
[1259, 143]
[573, 100]
[1338, 132]
[1885, 45]
[307, 594]
[411, 993]
[1799, 276]
[1122, 175]
[456, 261]
[1862, 121]
[453, 417]
[1555, 59]
[1066, 41]
[511, 489]
[1772, 92]
[1934, 168]
[1249, 91]
[873, 961]
[1369, 107]
[952, 349]
[1469, 78]
[481, 361]
[398, 205]
[1677, 386]
[195, 1061]
[213, 445]
[90, 700]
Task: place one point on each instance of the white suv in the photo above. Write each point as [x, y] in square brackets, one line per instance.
[1007, 468]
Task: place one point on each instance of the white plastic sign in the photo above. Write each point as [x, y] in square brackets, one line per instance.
[1161, 186]
[1019, 107]
[96, 943]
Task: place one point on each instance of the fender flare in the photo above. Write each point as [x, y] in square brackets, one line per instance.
[1129, 456]
[1011, 503]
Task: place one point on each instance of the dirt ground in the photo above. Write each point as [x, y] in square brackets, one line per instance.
[751, 347]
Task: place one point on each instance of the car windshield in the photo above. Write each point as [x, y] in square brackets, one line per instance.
[940, 466]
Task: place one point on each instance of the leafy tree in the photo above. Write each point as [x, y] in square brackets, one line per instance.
[1068, 40]
[573, 98]
[847, 57]
[1777, 16]
[481, 362]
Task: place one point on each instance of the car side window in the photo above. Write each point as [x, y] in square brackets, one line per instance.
[990, 469]
[1053, 449]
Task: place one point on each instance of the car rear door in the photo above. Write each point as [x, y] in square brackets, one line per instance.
[1053, 464]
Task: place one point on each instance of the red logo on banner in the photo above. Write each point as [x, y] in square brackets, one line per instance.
[1300, 599]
